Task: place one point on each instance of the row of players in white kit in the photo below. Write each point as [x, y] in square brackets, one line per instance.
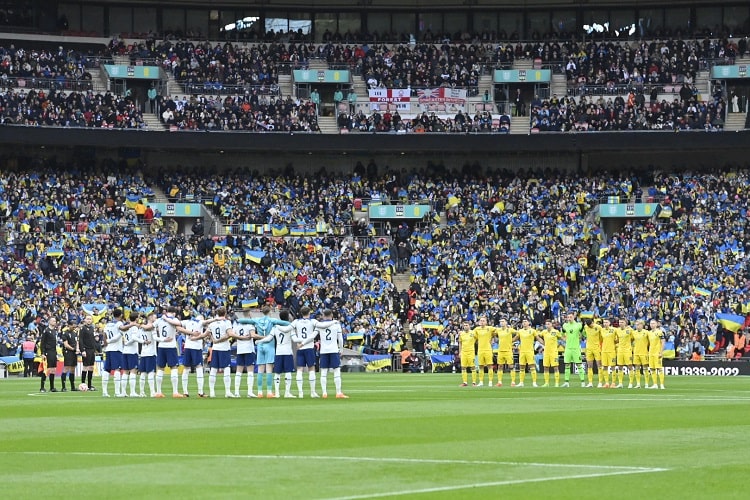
[158, 341]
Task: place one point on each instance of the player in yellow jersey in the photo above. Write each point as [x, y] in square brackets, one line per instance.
[640, 353]
[526, 335]
[505, 361]
[592, 332]
[656, 339]
[624, 353]
[467, 341]
[484, 336]
[550, 337]
[609, 337]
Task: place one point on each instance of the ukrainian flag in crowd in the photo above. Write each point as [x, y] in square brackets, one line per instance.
[587, 314]
[249, 303]
[731, 322]
[131, 200]
[355, 336]
[279, 230]
[432, 325]
[702, 292]
[55, 252]
[441, 361]
[376, 361]
[254, 255]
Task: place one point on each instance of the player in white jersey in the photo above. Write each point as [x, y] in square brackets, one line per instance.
[165, 329]
[147, 363]
[220, 332]
[192, 353]
[113, 353]
[304, 328]
[245, 335]
[130, 355]
[331, 345]
[284, 355]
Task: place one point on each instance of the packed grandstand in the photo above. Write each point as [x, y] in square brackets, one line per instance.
[508, 244]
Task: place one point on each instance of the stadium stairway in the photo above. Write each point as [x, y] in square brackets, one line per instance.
[153, 122]
[328, 124]
[735, 121]
[703, 84]
[99, 83]
[159, 195]
[519, 125]
[401, 281]
[559, 85]
[523, 64]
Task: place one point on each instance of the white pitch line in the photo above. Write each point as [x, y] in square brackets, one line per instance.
[615, 468]
[438, 489]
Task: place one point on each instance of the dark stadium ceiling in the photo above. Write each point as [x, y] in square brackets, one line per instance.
[399, 4]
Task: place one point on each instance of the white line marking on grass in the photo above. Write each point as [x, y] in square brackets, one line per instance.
[617, 469]
[437, 489]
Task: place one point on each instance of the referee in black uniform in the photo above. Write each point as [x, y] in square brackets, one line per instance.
[87, 346]
[48, 346]
[70, 356]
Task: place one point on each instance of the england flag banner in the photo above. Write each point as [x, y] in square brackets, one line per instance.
[390, 99]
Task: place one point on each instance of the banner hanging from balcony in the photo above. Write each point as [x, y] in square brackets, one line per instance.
[390, 99]
[442, 100]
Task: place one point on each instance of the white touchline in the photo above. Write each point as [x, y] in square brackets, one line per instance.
[437, 489]
[617, 469]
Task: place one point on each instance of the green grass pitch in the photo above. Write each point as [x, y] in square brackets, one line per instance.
[400, 435]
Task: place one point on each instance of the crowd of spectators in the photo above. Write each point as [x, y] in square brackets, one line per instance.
[422, 65]
[43, 69]
[57, 108]
[525, 248]
[619, 66]
[515, 245]
[252, 112]
[392, 122]
[203, 67]
[629, 112]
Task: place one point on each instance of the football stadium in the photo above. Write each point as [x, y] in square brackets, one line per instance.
[374, 249]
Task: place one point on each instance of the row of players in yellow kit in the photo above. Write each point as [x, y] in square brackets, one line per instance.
[622, 349]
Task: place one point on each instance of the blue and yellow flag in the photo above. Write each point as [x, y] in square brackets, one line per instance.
[279, 230]
[249, 303]
[376, 361]
[701, 292]
[254, 255]
[731, 322]
[55, 252]
[354, 336]
[587, 314]
[432, 325]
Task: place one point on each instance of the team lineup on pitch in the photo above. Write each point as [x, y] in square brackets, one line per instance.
[139, 351]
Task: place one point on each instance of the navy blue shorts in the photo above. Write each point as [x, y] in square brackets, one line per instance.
[192, 357]
[284, 363]
[330, 360]
[306, 357]
[147, 364]
[129, 361]
[166, 356]
[113, 361]
[221, 359]
[246, 359]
